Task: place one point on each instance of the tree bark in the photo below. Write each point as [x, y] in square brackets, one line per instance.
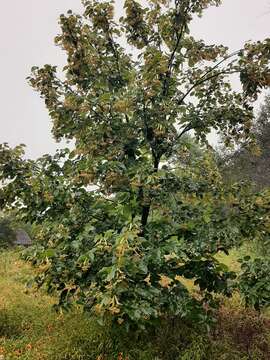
[145, 214]
[146, 208]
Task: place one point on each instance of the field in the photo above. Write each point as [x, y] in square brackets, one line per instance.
[31, 330]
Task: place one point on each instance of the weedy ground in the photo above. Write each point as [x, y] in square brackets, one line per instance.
[31, 330]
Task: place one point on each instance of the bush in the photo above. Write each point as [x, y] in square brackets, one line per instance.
[7, 234]
[240, 334]
[254, 282]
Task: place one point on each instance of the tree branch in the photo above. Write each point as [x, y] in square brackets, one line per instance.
[168, 72]
[186, 129]
[170, 63]
[115, 52]
[202, 80]
[203, 77]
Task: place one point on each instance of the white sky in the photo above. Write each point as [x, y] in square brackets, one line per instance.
[27, 31]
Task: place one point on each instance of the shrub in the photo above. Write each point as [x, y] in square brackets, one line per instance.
[240, 334]
[7, 234]
[254, 282]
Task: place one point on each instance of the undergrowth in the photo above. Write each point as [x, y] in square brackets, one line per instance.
[30, 330]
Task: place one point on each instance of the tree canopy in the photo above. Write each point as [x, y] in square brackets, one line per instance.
[132, 88]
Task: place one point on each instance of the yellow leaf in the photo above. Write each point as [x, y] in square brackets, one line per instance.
[98, 308]
[147, 280]
[259, 201]
[100, 357]
[120, 321]
[114, 310]
[120, 356]
[165, 281]
[170, 256]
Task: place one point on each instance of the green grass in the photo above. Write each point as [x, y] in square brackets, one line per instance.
[30, 330]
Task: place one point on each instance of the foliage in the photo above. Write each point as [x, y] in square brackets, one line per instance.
[122, 220]
[7, 234]
[254, 282]
[29, 330]
[247, 164]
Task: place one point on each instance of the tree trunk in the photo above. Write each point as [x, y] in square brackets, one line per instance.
[146, 208]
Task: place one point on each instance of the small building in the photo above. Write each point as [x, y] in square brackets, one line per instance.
[22, 238]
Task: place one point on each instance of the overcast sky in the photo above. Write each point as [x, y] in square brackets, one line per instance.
[28, 27]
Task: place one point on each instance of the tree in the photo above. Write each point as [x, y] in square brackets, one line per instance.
[123, 248]
[7, 233]
[243, 163]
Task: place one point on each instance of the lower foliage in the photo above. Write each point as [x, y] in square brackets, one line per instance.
[7, 233]
[93, 249]
[30, 330]
[254, 282]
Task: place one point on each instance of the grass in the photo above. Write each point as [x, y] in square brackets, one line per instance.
[30, 330]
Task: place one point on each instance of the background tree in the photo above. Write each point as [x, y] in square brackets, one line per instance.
[7, 233]
[243, 163]
[123, 248]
